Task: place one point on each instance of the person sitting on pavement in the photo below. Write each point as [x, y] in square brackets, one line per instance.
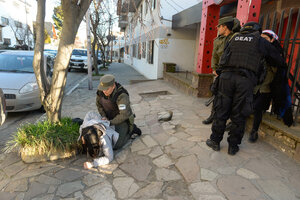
[98, 139]
[114, 105]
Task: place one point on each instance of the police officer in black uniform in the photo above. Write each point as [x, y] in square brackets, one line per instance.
[240, 67]
[113, 104]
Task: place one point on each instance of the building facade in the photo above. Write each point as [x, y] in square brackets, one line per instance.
[16, 25]
[150, 41]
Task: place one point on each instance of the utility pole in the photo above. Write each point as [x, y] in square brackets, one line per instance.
[89, 51]
[27, 31]
[111, 37]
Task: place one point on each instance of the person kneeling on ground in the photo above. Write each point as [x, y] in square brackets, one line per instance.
[113, 104]
[98, 139]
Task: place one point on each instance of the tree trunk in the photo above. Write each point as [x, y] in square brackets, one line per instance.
[38, 59]
[95, 56]
[73, 15]
[104, 57]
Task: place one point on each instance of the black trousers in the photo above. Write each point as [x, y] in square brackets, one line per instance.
[261, 104]
[234, 101]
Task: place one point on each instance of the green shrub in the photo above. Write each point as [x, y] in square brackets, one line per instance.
[44, 137]
[94, 74]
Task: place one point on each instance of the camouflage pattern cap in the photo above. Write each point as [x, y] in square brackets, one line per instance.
[106, 82]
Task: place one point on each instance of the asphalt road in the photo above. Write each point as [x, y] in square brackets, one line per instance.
[14, 120]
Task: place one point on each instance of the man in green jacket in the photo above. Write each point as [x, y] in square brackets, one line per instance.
[113, 104]
[225, 27]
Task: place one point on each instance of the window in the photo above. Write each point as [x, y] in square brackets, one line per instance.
[18, 24]
[144, 50]
[4, 21]
[150, 51]
[134, 50]
[6, 41]
[146, 7]
[127, 49]
[141, 13]
[139, 51]
[153, 4]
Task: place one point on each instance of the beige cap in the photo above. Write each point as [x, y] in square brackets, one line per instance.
[106, 82]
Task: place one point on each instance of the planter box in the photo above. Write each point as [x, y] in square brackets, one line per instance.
[170, 67]
[30, 156]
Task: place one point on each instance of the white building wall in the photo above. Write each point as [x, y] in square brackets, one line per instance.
[181, 47]
[17, 10]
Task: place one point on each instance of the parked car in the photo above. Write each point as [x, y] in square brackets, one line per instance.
[78, 60]
[2, 107]
[99, 59]
[18, 81]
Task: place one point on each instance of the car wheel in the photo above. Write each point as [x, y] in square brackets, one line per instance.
[69, 69]
[42, 109]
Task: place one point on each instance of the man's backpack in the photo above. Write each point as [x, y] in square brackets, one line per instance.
[92, 143]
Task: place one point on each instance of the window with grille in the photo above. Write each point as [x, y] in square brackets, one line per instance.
[144, 50]
[18, 24]
[4, 21]
[7, 41]
[139, 51]
[146, 7]
[134, 50]
[153, 4]
[141, 13]
[150, 51]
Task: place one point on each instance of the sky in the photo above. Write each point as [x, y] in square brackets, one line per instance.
[50, 4]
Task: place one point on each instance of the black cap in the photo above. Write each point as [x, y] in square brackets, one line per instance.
[251, 27]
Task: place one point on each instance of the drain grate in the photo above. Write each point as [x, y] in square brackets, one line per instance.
[152, 95]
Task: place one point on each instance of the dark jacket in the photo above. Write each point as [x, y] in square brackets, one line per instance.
[116, 108]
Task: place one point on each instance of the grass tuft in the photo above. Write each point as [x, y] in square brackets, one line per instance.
[45, 137]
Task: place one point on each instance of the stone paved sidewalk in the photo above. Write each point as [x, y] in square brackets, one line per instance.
[169, 161]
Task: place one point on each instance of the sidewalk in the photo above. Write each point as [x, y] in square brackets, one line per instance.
[169, 161]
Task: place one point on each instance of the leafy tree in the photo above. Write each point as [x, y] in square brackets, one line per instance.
[47, 37]
[58, 18]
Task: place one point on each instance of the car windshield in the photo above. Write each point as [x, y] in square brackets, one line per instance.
[78, 52]
[16, 63]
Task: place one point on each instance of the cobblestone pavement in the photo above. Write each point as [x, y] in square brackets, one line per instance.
[169, 161]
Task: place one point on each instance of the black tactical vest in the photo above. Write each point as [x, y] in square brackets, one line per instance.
[242, 52]
[109, 104]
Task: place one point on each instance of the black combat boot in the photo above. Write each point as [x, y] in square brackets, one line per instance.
[135, 132]
[232, 150]
[253, 136]
[210, 119]
[212, 144]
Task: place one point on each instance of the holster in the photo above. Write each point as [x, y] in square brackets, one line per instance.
[215, 85]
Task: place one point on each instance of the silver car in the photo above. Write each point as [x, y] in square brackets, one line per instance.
[18, 81]
[2, 107]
